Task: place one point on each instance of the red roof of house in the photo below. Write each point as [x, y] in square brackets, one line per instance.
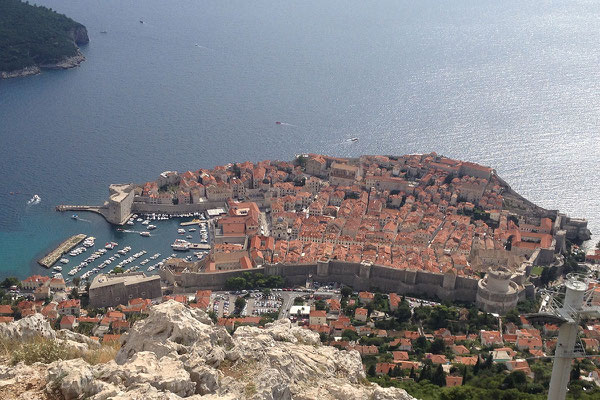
[6, 310]
[318, 313]
[111, 338]
[67, 320]
[73, 303]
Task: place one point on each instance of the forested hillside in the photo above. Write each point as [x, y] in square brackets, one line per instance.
[34, 35]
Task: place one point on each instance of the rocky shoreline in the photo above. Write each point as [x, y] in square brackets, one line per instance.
[78, 35]
[66, 63]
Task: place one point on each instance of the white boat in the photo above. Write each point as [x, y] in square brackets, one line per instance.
[192, 230]
[181, 245]
[145, 233]
[57, 268]
[188, 236]
[181, 231]
[34, 200]
[130, 223]
[64, 260]
[146, 222]
[150, 227]
[139, 220]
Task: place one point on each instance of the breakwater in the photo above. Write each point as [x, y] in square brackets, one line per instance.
[62, 248]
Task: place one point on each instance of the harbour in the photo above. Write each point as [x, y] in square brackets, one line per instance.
[62, 249]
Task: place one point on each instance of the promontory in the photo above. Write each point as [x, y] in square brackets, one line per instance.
[35, 37]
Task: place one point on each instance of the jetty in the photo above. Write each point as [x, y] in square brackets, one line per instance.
[192, 222]
[63, 248]
[199, 246]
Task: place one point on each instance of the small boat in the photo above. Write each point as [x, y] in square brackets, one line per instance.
[57, 268]
[150, 227]
[278, 122]
[141, 22]
[64, 260]
[34, 200]
[145, 233]
[189, 237]
[181, 231]
[192, 230]
[74, 216]
[354, 139]
[103, 32]
[120, 230]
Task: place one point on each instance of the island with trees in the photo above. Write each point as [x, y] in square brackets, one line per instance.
[35, 37]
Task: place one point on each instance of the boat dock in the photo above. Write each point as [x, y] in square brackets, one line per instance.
[199, 246]
[192, 222]
[63, 248]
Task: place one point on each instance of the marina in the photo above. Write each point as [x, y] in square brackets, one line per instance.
[63, 248]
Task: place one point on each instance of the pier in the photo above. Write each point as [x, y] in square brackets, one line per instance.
[64, 207]
[192, 222]
[63, 248]
[199, 246]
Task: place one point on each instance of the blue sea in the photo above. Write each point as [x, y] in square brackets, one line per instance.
[510, 84]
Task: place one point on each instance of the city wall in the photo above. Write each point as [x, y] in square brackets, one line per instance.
[358, 276]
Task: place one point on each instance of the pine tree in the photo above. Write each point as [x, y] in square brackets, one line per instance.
[371, 371]
[412, 374]
[439, 376]
[476, 367]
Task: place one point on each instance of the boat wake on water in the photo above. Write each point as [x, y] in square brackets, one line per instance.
[34, 200]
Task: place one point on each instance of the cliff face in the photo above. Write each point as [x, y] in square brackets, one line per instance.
[178, 353]
[79, 35]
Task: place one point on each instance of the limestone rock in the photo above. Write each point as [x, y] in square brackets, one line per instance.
[74, 379]
[22, 382]
[177, 353]
[71, 336]
[172, 327]
[26, 328]
[166, 374]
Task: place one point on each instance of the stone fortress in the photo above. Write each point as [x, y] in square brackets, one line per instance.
[417, 224]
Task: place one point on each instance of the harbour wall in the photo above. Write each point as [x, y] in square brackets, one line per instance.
[144, 208]
[357, 275]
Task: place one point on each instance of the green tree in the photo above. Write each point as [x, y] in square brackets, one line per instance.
[236, 283]
[372, 371]
[350, 335]
[10, 281]
[438, 346]
[240, 303]
[320, 305]
[403, 313]
[346, 291]
[439, 376]
[575, 372]
[515, 380]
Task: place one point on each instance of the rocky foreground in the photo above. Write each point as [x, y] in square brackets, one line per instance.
[178, 352]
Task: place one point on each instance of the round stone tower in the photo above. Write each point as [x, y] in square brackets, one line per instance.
[496, 293]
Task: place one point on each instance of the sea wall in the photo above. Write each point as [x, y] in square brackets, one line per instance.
[145, 208]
